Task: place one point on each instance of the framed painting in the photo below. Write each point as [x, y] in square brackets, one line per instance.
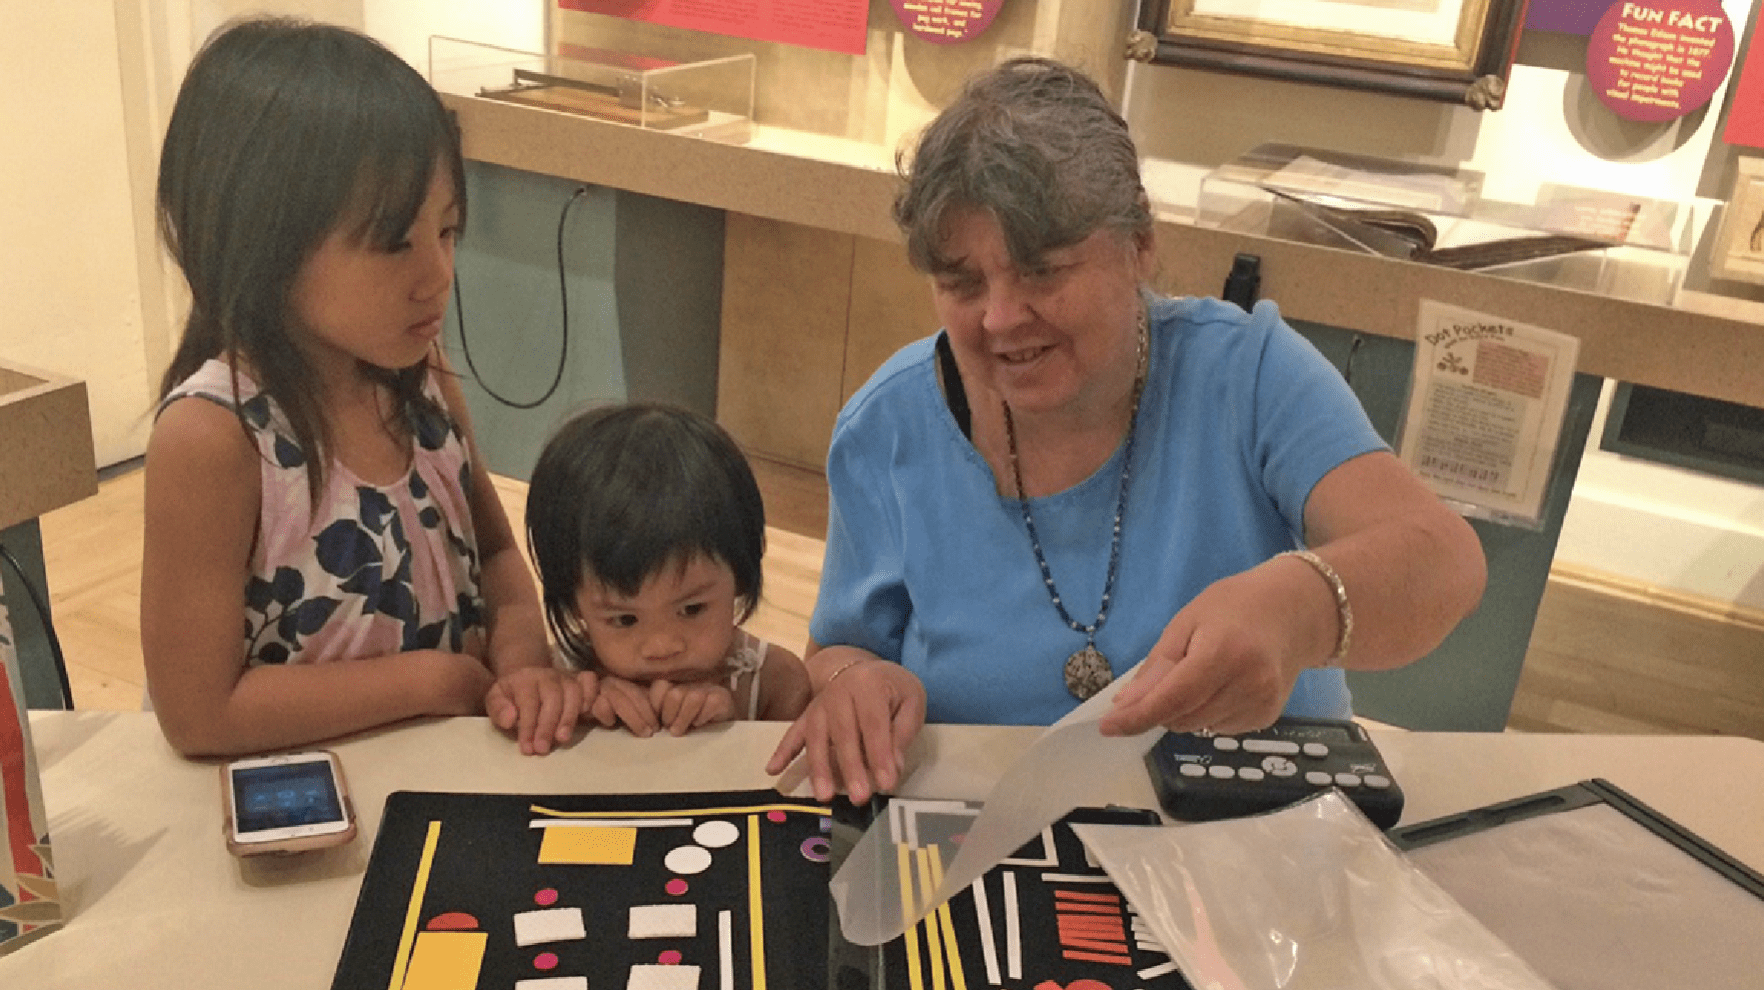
[1455, 51]
[1739, 247]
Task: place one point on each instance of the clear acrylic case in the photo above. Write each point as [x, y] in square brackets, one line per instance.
[711, 98]
[1624, 246]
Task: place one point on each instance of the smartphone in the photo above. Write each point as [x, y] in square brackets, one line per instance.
[286, 804]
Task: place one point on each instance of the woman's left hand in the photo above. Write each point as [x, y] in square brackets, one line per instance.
[1229, 659]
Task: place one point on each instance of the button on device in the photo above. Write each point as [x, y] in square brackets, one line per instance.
[1348, 779]
[1374, 780]
[1192, 770]
[1225, 744]
[1249, 773]
[1222, 771]
[1319, 778]
[1279, 766]
[1316, 750]
[1282, 746]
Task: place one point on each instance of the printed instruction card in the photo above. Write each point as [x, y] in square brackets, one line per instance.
[1486, 408]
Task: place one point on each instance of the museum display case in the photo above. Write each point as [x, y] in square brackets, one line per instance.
[1625, 247]
[712, 98]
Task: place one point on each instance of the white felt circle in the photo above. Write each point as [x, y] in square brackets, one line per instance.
[716, 834]
[688, 859]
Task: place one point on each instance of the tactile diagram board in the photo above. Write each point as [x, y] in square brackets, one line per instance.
[716, 891]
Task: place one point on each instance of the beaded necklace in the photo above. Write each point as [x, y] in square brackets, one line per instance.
[1087, 671]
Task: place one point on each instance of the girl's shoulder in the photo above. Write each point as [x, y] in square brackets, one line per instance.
[229, 396]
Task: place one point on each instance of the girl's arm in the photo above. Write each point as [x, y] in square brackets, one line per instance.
[533, 697]
[203, 491]
[784, 686]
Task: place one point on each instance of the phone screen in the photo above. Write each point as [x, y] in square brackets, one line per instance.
[285, 796]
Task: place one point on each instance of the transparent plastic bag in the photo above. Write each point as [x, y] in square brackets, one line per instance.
[1311, 896]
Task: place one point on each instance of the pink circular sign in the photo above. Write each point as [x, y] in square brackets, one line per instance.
[1657, 60]
[946, 22]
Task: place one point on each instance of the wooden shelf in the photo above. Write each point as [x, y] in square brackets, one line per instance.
[1710, 350]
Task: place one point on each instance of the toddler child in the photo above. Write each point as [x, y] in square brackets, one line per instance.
[647, 529]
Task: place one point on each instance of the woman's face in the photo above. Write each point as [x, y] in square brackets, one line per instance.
[1059, 336]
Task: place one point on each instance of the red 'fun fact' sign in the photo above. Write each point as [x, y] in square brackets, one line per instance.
[1657, 60]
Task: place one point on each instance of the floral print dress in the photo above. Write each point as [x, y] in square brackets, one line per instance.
[376, 569]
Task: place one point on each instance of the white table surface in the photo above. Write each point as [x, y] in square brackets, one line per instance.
[156, 901]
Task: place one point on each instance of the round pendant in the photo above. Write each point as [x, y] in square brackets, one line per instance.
[1087, 672]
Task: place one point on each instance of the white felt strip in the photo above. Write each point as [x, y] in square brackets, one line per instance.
[664, 921]
[652, 977]
[553, 983]
[550, 925]
[1013, 929]
[726, 949]
[983, 914]
[1157, 971]
[609, 823]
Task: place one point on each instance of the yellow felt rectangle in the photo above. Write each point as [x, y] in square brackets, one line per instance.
[610, 846]
[446, 961]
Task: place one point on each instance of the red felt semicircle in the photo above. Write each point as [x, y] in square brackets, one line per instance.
[452, 921]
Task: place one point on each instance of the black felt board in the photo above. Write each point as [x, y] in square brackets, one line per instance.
[485, 864]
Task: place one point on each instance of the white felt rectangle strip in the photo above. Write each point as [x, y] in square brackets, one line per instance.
[651, 977]
[550, 925]
[664, 921]
[553, 983]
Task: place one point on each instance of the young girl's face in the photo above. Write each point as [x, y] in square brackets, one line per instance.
[677, 627]
[356, 300]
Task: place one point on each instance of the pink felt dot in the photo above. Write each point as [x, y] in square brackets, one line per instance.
[545, 897]
[669, 958]
[776, 816]
[676, 886]
[545, 960]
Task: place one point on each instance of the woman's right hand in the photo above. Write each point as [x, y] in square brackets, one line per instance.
[859, 723]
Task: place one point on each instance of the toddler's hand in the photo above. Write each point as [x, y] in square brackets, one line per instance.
[683, 707]
[616, 700]
[540, 704]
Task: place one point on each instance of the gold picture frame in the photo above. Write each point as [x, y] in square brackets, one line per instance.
[1739, 246]
[1454, 51]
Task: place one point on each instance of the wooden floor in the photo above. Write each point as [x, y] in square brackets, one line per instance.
[1606, 656]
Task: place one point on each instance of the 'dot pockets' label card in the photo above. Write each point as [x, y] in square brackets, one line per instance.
[1486, 409]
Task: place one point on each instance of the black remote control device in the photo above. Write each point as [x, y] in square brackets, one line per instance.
[1201, 778]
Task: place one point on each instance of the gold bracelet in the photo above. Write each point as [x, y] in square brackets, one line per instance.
[1344, 613]
[842, 669]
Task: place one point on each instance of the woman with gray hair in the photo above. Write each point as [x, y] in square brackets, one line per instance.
[1076, 474]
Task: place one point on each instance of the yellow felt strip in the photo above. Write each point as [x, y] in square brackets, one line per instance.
[412, 914]
[953, 949]
[933, 944]
[446, 961]
[755, 905]
[903, 857]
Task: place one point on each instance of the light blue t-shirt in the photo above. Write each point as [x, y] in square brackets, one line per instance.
[927, 565]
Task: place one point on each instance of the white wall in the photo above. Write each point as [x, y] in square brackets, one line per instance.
[70, 295]
[88, 90]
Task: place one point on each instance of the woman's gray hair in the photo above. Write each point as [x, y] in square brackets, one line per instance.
[1035, 144]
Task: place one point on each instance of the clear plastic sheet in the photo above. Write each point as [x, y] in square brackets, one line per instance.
[1305, 898]
[1067, 767]
[1594, 900]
